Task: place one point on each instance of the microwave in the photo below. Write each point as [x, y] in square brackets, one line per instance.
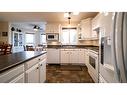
[54, 36]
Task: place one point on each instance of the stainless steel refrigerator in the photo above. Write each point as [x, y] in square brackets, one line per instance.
[119, 46]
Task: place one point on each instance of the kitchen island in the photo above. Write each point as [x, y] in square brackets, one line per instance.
[23, 67]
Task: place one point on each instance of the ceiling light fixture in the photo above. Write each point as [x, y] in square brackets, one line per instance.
[36, 28]
[68, 16]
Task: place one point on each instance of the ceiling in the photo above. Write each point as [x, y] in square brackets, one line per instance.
[42, 16]
[27, 20]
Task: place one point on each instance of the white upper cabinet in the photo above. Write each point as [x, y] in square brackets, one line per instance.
[52, 28]
[85, 29]
[95, 25]
[104, 22]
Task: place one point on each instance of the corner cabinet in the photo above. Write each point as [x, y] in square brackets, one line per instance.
[84, 29]
[17, 41]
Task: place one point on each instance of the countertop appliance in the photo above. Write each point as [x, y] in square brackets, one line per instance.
[52, 36]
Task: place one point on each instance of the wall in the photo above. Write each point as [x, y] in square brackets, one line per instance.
[4, 28]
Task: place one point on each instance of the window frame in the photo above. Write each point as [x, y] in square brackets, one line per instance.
[32, 44]
[73, 27]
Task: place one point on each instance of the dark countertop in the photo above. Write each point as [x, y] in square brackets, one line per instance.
[71, 46]
[11, 60]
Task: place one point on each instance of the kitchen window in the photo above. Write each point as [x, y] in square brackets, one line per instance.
[43, 39]
[30, 39]
[69, 36]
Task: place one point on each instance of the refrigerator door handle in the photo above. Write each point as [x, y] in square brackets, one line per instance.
[125, 42]
[119, 45]
[117, 72]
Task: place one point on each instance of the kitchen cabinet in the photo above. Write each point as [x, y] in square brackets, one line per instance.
[95, 25]
[11, 75]
[32, 74]
[53, 28]
[53, 56]
[85, 29]
[72, 56]
[28, 67]
[36, 70]
[65, 56]
[86, 57]
[42, 71]
[19, 79]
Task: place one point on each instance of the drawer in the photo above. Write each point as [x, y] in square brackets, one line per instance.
[11, 74]
[42, 57]
[19, 79]
[30, 63]
[34, 61]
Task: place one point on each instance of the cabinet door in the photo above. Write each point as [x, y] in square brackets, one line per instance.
[64, 56]
[81, 55]
[74, 56]
[53, 56]
[86, 57]
[19, 79]
[6, 76]
[32, 74]
[42, 70]
[86, 28]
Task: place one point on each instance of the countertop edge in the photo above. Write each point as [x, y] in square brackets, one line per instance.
[20, 62]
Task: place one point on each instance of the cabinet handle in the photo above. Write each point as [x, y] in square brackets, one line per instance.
[37, 67]
[39, 59]
[41, 65]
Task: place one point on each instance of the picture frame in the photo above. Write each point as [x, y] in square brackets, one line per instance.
[4, 34]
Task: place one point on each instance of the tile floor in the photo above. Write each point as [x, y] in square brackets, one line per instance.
[67, 74]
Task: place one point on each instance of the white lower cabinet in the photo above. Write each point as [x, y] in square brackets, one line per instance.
[36, 73]
[53, 56]
[12, 75]
[19, 79]
[81, 56]
[32, 74]
[42, 71]
[86, 57]
[32, 71]
[72, 56]
[64, 56]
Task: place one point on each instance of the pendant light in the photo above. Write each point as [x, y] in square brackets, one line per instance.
[36, 28]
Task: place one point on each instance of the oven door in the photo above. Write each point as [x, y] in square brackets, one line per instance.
[93, 66]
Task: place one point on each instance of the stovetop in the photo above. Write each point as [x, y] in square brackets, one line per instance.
[94, 50]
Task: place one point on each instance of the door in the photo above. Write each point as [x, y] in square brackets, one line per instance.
[19, 79]
[32, 74]
[65, 56]
[119, 45]
[42, 70]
